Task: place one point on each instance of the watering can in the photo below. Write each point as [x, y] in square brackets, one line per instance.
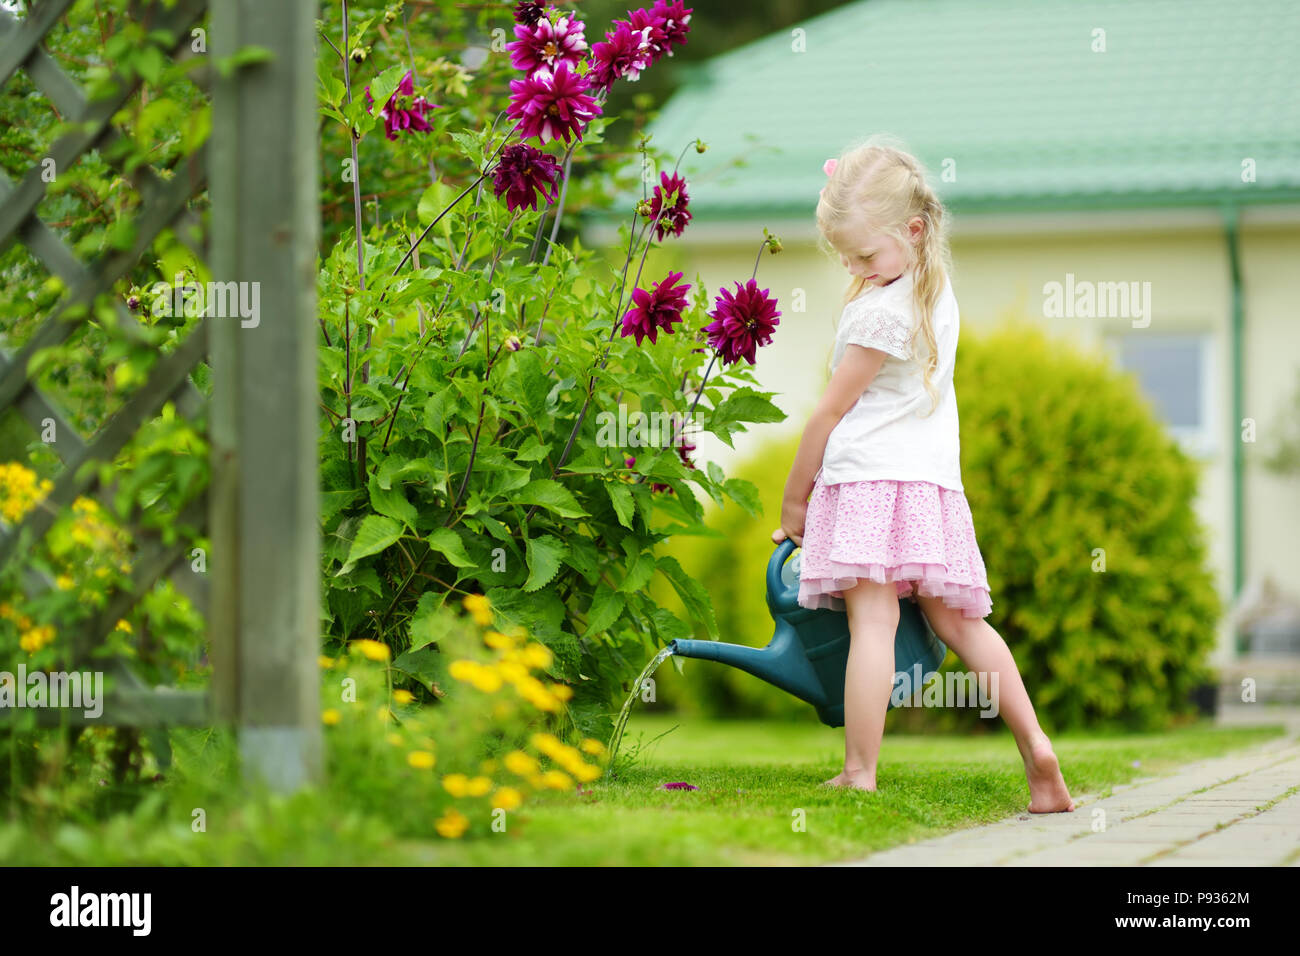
[809, 651]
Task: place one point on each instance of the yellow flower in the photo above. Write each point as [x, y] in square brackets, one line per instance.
[587, 773]
[395, 739]
[486, 679]
[325, 662]
[498, 640]
[594, 747]
[374, 650]
[520, 763]
[479, 786]
[421, 759]
[548, 744]
[507, 798]
[538, 655]
[512, 671]
[123, 625]
[452, 824]
[331, 716]
[64, 582]
[403, 696]
[557, 780]
[561, 691]
[480, 608]
[457, 784]
[462, 669]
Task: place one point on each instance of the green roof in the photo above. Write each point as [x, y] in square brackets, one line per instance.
[1012, 92]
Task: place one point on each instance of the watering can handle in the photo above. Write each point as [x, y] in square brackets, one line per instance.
[777, 594]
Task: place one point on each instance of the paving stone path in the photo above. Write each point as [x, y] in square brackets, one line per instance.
[1242, 809]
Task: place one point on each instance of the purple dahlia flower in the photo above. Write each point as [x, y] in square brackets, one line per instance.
[398, 114]
[655, 310]
[742, 322]
[624, 53]
[529, 12]
[547, 44]
[522, 172]
[551, 104]
[667, 23]
[670, 198]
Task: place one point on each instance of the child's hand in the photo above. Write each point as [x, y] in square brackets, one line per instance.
[792, 518]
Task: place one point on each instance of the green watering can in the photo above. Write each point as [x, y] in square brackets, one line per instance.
[809, 651]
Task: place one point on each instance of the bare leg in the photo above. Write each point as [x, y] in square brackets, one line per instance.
[982, 650]
[868, 679]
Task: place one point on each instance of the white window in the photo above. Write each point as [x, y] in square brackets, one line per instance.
[1176, 371]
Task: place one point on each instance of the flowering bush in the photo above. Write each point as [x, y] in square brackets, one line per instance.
[472, 365]
[452, 770]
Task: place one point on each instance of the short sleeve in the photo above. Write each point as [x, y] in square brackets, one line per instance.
[879, 327]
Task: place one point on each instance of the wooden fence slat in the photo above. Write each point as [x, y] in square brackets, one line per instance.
[91, 126]
[19, 44]
[265, 609]
[106, 271]
[166, 379]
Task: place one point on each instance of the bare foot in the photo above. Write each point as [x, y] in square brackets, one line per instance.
[1047, 790]
[861, 780]
[841, 779]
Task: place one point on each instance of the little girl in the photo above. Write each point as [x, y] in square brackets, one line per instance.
[879, 458]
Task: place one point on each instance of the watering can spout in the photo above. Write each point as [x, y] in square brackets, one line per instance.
[782, 663]
[808, 653]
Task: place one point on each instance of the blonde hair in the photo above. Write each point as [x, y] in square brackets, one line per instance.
[878, 183]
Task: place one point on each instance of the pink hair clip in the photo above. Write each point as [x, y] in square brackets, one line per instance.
[828, 167]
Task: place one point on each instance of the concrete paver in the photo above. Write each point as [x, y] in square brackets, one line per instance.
[1235, 810]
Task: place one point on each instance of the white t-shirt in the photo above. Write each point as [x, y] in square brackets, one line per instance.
[884, 435]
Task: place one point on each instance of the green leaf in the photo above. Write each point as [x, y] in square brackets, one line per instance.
[606, 606]
[549, 494]
[376, 533]
[244, 57]
[392, 502]
[692, 593]
[641, 568]
[532, 450]
[423, 621]
[544, 556]
[385, 84]
[448, 542]
[744, 493]
[621, 497]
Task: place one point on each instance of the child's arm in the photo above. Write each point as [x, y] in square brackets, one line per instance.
[857, 369]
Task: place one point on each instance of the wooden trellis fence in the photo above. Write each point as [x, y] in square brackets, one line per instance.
[260, 169]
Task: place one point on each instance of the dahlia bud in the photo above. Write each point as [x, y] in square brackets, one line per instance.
[629, 461]
[701, 146]
[513, 344]
[133, 302]
[358, 54]
[643, 208]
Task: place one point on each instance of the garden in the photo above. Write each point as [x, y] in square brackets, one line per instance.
[513, 517]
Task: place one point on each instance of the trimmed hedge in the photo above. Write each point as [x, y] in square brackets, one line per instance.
[1067, 470]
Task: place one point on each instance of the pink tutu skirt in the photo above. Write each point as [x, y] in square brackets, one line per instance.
[914, 533]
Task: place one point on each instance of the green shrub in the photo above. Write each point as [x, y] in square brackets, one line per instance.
[1064, 464]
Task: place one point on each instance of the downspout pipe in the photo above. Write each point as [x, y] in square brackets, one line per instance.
[1231, 233]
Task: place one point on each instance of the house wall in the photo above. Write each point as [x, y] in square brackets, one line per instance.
[1000, 267]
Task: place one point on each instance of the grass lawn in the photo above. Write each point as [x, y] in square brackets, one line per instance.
[755, 778]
